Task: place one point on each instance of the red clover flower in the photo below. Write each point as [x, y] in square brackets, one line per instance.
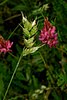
[48, 34]
[5, 45]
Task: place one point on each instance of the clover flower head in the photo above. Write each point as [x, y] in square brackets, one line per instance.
[48, 34]
[5, 45]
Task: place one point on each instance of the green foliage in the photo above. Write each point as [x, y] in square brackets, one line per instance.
[42, 72]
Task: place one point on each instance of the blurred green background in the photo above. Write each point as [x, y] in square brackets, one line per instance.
[47, 66]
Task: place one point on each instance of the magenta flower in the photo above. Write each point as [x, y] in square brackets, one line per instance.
[5, 45]
[48, 34]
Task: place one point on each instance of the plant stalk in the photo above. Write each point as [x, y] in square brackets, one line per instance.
[13, 76]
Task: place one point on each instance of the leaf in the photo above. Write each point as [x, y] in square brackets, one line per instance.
[29, 40]
[26, 23]
[29, 43]
[31, 50]
[61, 80]
[20, 76]
[28, 73]
[40, 9]
[35, 81]
[34, 49]
[33, 30]
[26, 32]
[3, 2]
[56, 96]
[19, 7]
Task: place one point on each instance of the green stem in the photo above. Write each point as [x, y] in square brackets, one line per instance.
[12, 17]
[2, 3]
[16, 98]
[46, 66]
[42, 57]
[13, 75]
[60, 49]
[13, 32]
[13, 55]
